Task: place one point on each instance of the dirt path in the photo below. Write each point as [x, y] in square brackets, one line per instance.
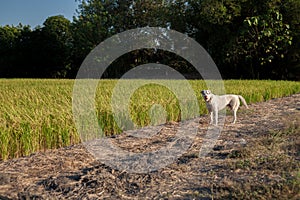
[251, 159]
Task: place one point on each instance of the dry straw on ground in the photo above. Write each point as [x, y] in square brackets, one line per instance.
[258, 158]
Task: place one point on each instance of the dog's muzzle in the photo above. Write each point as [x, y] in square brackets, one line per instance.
[206, 98]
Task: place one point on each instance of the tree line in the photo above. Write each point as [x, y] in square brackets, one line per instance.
[251, 39]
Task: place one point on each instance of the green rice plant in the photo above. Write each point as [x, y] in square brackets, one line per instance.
[4, 144]
[261, 90]
[36, 114]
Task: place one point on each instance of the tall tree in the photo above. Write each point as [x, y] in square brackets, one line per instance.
[291, 14]
[91, 26]
[8, 43]
[262, 41]
[247, 38]
[99, 19]
[56, 45]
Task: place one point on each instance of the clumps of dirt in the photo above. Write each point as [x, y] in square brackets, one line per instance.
[257, 158]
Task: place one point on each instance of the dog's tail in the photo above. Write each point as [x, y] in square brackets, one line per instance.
[243, 101]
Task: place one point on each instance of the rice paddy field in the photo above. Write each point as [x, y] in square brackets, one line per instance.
[36, 114]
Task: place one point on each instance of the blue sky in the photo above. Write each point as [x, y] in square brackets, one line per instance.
[34, 12]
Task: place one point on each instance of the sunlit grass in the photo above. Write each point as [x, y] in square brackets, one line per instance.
[36, 114]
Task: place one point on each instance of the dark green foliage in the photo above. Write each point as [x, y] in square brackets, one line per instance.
[246, 38]
[42, 52]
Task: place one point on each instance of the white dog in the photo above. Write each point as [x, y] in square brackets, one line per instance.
[214, 103]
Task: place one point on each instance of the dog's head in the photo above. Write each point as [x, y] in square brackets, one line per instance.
[206, 95]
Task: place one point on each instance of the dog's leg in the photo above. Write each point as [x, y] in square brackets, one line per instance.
[211, 118]
[234, 116]
[235, 109]
[235, 106]
[216, 117]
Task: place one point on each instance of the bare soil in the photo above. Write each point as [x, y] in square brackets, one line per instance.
[256, 158]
